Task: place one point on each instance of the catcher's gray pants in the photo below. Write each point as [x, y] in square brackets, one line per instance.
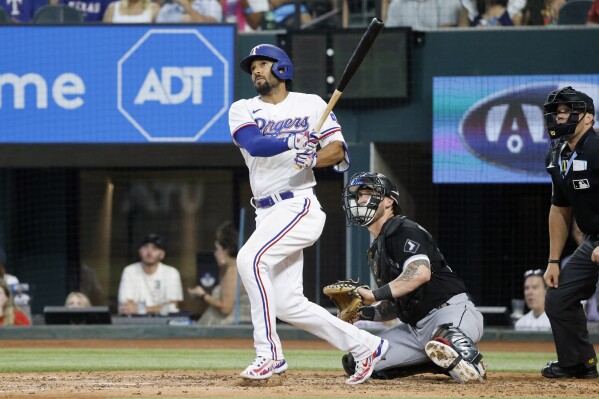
[407, 342]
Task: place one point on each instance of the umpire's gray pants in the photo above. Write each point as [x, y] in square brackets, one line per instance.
[407, 342]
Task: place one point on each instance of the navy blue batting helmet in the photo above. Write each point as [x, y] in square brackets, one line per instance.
[282, 67]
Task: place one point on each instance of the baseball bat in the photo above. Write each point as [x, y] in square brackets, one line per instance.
[350, 69]
[352, 66]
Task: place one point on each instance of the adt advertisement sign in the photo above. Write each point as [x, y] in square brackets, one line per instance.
[491, 129]
[116, 84]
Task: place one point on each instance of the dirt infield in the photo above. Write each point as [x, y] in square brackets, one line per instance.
[295, 384]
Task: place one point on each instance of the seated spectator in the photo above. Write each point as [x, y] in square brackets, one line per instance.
[131, 12]
[221, 302]
[149, 286]
[93, 10]
[204, 11]
[426, 14]
[593, 16]
[283, 12]
[77, 300]
[247, 14]
[8, 278]
[534, 295]
[542, 12]
[10, 314]
[494, 13]
[20, 11]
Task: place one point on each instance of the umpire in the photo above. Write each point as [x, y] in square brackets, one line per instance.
[573, 163]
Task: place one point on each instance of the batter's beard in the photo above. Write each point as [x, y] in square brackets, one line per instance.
[264, 88]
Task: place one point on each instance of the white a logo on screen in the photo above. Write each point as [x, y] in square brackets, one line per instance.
[507, 128]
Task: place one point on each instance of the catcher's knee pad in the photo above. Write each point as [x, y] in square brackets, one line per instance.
[452, 350]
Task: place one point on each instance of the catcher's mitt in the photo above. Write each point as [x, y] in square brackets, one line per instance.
[345, 295]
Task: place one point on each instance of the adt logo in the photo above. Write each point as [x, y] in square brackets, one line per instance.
[508, 128]
[173, 85]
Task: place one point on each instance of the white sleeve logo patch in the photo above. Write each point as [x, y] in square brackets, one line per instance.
[411, 246]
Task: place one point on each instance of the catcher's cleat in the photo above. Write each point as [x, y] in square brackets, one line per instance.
[554, 370]
[447, 358]
[280, 366]
[365, 367]
[260, 369]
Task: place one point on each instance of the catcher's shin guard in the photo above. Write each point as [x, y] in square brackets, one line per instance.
[455, 352]
[349, 365]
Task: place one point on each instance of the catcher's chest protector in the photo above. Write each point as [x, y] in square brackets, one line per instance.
[385, 269]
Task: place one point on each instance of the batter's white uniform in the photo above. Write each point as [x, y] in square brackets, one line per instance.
[271, 262]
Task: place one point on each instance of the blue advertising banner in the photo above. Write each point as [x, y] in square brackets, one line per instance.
[116, 84]
[491, 129]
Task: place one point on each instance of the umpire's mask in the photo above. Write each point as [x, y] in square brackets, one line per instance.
[577, 101]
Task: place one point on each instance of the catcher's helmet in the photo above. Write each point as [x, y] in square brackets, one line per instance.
[363, 215]
[282, 67]
[577, 101]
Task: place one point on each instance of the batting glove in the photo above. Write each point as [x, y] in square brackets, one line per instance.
[297, 141]
[312, 142]
[305, 159]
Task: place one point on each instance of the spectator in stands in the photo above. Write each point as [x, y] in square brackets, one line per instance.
[426, 14]
[247, 14]
[93, 10]
[8, 278]
[149, 286]
[283, 12]
[221, 302]
[204, 11]
[541, 12]
[131, 12]
[534, 295]
[593, 16]
[77, 300]
[20, 11]
[495, 13]
[10, 315]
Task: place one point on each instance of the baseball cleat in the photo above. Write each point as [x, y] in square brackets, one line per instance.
[447, 358]
[365, 367]
[260, 369]
[280, 366]
[554, 370]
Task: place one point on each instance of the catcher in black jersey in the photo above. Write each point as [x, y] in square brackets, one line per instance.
[439, 324]
[573, 163]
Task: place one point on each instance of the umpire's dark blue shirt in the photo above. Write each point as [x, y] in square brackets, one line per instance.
[575, 178]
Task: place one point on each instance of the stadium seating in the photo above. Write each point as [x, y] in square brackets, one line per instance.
[574, 12]
[59, 14]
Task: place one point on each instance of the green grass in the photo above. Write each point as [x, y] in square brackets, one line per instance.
[69, 359]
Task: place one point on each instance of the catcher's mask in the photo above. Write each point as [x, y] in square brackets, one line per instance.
[358, 214]
[577, 101]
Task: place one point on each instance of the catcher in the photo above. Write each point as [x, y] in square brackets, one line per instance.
[440, 325]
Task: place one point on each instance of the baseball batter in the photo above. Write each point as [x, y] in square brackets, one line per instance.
[273, 132]
[440, 325]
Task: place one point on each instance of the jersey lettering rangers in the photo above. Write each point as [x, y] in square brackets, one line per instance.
[297, 114]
